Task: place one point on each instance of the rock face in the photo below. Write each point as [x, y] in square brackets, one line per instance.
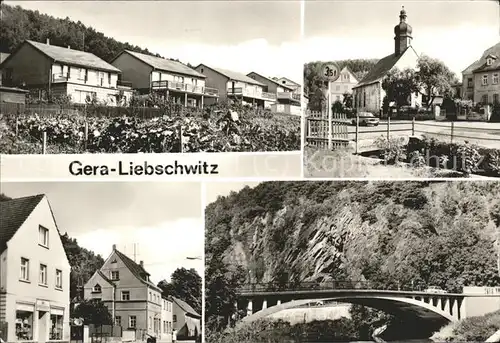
[393, 234]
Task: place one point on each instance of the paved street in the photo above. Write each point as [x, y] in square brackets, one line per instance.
[481, 133]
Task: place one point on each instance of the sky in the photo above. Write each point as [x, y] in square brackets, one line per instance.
[215, 189]
[244, 36]
[456, 32]
[163, 219]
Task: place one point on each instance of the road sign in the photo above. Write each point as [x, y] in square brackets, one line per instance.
[330, 71]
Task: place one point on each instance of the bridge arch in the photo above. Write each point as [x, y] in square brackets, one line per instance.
[439, 312]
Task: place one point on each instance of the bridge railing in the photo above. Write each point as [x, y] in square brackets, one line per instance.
[328, 285]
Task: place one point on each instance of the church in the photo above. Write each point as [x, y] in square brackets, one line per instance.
[368, 95]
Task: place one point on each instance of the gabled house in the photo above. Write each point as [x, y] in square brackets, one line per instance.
[48, 69]
[124, 287]
[289, 83]
[287, 100]
[368, 94]
[34, 273]
[236, 86]
[481, 80]
[343, 84]
[174, 80]
[187, 322]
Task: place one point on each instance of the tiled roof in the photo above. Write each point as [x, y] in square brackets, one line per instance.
[13, 213]
[494, 50]
[138, 271]
[3, 56]
[233, 75]
[381, 69]
[271, 80]
[185, 306]
[73, 57]
[165, 65]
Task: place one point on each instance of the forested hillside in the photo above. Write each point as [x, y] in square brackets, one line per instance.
[314, 79]
[406, 235]
[19, 24]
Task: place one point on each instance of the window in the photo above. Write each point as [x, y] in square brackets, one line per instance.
[337, 88]
[174, 317]
[82, 74]
[489, 61]
[469, 82]
[485, 80]
[150, 296]
[42, 280]
[496, 98]
[109, 79]
[126, 296]
[132, 321]
[150, 325]
[59, 278]
[97, 288]
[115, 275]
[164, 326]
[484, 99]
[56, 330]
[495, 79]
[101, 78]
[25, 269]
[118, 321]
[43, 238]
[24, 325]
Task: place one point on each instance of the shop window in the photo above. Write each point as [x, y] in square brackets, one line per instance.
[56, 327]
[24, 325]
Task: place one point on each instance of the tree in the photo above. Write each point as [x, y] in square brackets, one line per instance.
[399, 85]
[184, 284]
[495, 214]
[434, 77]
[93, 311]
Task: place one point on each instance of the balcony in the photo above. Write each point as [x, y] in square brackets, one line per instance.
[288, 96]
[60, 78]
[123, 84]
[251, 93]
[184, 87]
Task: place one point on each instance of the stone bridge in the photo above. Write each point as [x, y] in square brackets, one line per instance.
[428, 310]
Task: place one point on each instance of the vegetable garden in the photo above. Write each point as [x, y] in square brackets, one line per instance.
[212, 130]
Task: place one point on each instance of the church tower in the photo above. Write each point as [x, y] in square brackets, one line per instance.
[402, 32]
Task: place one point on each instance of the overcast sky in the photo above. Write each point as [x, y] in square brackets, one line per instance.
[164, 220]
[457, 32]
[245, 36]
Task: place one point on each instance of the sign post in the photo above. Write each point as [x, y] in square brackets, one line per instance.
[330, 72]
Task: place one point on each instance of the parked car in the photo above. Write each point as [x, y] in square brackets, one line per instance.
[150, 339]
[435, 289]
[366, 118]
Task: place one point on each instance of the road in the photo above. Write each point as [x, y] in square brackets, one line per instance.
[480, 133]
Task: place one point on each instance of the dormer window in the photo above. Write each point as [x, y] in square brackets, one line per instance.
[97, 288]
[489, 61]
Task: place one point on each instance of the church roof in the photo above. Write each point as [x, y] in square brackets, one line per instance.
[381, 69]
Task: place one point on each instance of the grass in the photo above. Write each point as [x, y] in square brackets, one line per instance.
[473, 329]
[344, 164]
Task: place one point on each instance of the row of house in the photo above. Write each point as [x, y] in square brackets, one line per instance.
[35, 282]
[42, 68]
[481, 80]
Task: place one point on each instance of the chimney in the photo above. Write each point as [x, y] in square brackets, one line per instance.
[114, 246]
[48, 41]
[141, 263]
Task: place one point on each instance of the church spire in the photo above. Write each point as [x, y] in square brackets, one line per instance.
[402, 33]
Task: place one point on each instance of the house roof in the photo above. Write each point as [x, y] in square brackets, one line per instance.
[3, 56]
[136, 269]
[71, 56]
[381, 69]
[346, 68]
[476, 65]
[164, 64]
[104, 277]
[286, 79]
[13, 213]
[185, 306]
[271, 80]
[233, 75]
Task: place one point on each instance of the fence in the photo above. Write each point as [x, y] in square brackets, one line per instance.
[105, 333]
[333, 133]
